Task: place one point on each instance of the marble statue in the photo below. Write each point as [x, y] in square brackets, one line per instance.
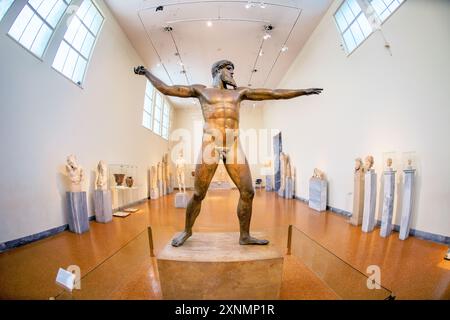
[101, 181]
[180, 170]
[75, 173]
[368, 163]
[154, 191]
[318, 174]
[220, 108]
[358, 193]
[389, 164]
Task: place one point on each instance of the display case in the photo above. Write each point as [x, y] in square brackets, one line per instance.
[124, 185]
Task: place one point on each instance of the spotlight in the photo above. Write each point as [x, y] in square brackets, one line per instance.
[255, 70]
[261, 53]
[159, 8]
[168, 29]
[284, 48]
[209, 23]
[268, 27]
[249, 5]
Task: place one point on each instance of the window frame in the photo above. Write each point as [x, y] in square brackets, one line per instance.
[44, 21]
[96, 37]
[392, 13]
[341, 33]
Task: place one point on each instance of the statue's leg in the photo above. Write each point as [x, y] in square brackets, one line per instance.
[204, 173]
[241, 176]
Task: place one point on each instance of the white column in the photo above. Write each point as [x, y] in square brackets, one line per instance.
[370, 200]
[388, 203]
[407, 203]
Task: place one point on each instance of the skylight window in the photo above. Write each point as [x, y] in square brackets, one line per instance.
[76, 48]
[36, 23]
[384, 8]
[4, 6]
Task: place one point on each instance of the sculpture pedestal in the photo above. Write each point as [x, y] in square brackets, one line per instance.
[318, 194]
[370, 200]
[181, 200]
[215, 266]
[103, 206]
[388, 204]
[289, 191]
[358, 199]
[154, 194]
[78, 212]
[269, 183]
[407, 204]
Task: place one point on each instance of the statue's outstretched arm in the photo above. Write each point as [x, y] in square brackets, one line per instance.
[269, 94]
[177, 91]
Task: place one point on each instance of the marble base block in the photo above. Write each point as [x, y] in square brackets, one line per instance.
[154, 194]
[370, 200]
[358, 199]
[407, 203]
[215, 266]
[78, 212]
[281, 192]
[289, 192]
[103, 206]
[181, 200]
[318, 194]
[388, 204]
[269, 183]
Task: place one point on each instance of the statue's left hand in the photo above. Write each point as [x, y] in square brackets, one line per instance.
[313, 91]
[140, 70]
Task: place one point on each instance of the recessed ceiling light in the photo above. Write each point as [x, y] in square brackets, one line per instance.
[284, 48]
[267, 36]
[249, 5]
[261, 53]
[255, 70]
[209, 23]
[262, 5]
[158, 64]
[180, 63]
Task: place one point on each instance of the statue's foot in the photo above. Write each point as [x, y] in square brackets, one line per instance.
[252, 241]
[181, 238]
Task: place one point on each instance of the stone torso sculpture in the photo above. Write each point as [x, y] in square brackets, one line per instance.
[101, 180]
[179, 165]
[75, 173]
[220, 106]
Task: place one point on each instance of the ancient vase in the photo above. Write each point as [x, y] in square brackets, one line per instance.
[119, 178]
[129, 181]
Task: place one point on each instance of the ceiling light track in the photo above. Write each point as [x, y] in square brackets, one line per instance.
[217, 19]
[284, 48]
[154, 48]
[243, 2]
[169, 29]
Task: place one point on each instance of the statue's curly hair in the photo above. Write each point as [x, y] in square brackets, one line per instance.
[220, 65]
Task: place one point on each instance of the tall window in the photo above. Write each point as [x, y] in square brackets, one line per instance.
[147, 119]
[384, 8]
[156, 115]
[4, 6]
[36, 23]
[76, 48]
[353, 22]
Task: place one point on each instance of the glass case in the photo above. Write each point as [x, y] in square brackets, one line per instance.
[390, 161]
[409, 160]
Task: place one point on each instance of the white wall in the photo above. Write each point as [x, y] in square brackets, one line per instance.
[374, 103]
[190, 119]
[45, 117]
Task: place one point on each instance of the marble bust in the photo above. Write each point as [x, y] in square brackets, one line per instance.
[101, 181]
[389, 164]
[359, 167]
[75, 173]
[368, 163]
[318, 174]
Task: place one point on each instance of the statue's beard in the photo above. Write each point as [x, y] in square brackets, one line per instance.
[228, 81]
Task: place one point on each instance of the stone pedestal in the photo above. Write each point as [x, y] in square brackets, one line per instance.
[103, 206]
[269, 183]
[407, 203]
[154, 194]
[358, 199]
[160, 188]
[289, 192]
[388, 203]
[78, 213]
[318, 194]
[215, 266]
[370, 200]
[181, 200]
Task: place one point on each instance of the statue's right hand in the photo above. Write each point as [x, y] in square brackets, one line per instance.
[140, 70]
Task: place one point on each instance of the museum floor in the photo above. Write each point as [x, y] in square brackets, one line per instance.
[115, 259]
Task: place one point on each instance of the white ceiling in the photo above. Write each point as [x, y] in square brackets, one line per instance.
[236, 34]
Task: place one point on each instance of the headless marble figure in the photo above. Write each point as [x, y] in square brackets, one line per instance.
[75, 173]
[179, 165]
[220, 105]
[101, 180]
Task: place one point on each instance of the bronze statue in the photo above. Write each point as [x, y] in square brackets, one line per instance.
[220, 107]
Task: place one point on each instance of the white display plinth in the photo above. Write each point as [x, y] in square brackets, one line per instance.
[318, 194]
[407, 204]
[370, 200]
[181, 200]
[123, 196]
[388, 203]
